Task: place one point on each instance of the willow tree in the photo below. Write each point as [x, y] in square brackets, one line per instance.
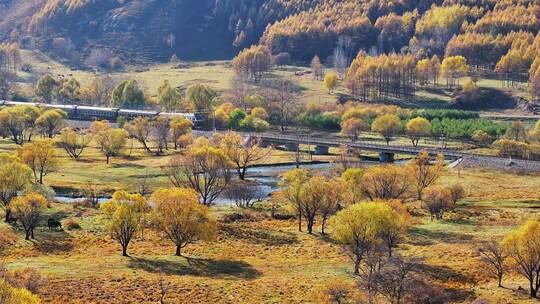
[242, 153]
[203, 168]
[14, 177]
[179, 215]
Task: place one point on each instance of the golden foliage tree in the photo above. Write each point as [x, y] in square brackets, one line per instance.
[253, 62]
[387, 125]
[203, 168]
[423, 173]
[14, 177]
[74, 143]
[51, 122]
[386, 182]
[123, 215]
[179, 215]
[523, 247]
[417, 128]
[40, 156]
[242, 153]
[28, 210]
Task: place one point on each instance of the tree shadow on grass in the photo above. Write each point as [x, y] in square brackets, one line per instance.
[197, 267]
[443, 273]
[262, 237]
[425, 237]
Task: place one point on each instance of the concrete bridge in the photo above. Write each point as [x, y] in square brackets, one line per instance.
[387, 152]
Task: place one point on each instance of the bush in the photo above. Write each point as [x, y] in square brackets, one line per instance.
[465, 128]
[431, 114]
[327, 120]
[72, 224]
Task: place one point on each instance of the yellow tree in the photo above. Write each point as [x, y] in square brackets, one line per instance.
[359, 227]
[19, 122]
[335, 195]
[353, 178]
[438, 201]
[387, 125]
[180, 127]
[14, 295]
[179, 215]
[453, 68]
[40, 156]
[330, 81]
[203, 168]
[312, 196]
[386, 182]
[111, 141]
[292, 183]
[123, 215]
[51, 122]
[423, 173]
[139, 129]
[28, 210]
[73, 143]
[242, 153]
[523, 247]
[14, 177]
[253, 62]
[352, 127]
[416, 128]
[534, 133]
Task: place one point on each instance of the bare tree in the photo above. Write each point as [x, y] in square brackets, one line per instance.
[494, 257]
[283, 95]
[245, 194]
[342, 54]
[395, 278]
[163, 289]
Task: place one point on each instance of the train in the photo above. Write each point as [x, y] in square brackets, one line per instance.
[77, 112]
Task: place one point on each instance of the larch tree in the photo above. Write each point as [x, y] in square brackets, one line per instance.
[253, 62]
[179, 215]
[452, 68]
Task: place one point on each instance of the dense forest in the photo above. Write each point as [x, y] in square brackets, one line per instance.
[483, 31]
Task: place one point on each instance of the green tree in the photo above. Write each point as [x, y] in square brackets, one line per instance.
[201, 96]
[46, 88]
[127, 95]
[168, 97]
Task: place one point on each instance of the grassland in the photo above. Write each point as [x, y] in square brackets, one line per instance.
[268, 261]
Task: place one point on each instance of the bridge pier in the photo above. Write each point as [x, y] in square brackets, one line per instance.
[291, 147]
[386, 157]
[321, 150]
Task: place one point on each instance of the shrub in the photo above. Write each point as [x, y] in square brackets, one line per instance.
[72, 224]
[431, 114]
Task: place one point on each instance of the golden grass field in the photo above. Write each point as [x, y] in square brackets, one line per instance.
[259, 260]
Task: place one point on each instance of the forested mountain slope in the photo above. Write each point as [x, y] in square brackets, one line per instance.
[215, 29]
